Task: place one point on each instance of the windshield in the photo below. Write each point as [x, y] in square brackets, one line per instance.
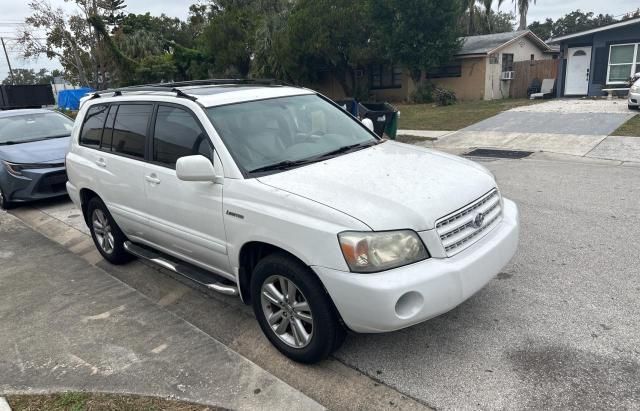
[286, 132]
[24, 128]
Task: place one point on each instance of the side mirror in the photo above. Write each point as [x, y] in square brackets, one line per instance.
[368, 123]
[196, 168]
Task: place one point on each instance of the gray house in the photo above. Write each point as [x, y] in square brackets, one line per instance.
[604, 57]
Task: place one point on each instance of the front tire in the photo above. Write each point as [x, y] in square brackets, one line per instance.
[293, 309]
[106, 234]
[5, 204]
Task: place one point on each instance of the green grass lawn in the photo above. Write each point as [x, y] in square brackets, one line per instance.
[630, 128]
[455, 117]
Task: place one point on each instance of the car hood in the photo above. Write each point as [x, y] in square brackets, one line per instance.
[390, 186]
[43, 151]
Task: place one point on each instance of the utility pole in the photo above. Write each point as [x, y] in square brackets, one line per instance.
[13, 80]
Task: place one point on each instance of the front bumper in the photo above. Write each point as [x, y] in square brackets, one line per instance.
[399, 298]
[634, 99]
[34, 184]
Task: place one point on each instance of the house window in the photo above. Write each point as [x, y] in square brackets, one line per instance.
[624, 61]
[385, 76]
[533, 57]
[450, 70]
[507, 62]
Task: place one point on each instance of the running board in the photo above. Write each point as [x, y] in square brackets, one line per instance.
[195, 274]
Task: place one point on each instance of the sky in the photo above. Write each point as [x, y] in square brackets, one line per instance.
[16, 12]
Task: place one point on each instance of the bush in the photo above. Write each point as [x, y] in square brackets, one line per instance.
[444, 97]
[423, 94]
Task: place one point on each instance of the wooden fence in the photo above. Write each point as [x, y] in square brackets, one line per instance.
[526, 71]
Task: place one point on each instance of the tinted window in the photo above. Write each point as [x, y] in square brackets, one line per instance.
[107, 135]
[130, 129]
[93, 123]
[177, 134]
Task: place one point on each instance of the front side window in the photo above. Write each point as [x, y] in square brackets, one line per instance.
[25, 128]
[93, 123]
[624, 61]
[285, 132]
[130, 129]
[178, 134]
[507, 62]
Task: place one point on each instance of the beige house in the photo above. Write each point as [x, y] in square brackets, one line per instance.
[482, 69]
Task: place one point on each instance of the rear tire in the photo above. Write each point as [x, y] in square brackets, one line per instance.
[301, 321]
[106, 234]
[632, 107]
[4, 203]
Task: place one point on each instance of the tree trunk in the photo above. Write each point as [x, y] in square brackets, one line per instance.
[523, 21]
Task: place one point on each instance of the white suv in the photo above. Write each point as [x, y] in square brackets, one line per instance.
[278, 195]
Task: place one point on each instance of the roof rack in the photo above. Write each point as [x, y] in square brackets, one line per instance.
[173, 86]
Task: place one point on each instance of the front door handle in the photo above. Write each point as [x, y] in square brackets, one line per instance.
[153, 179]
[101, 163]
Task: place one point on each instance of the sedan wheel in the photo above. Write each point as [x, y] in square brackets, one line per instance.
[287, 311]
[103, 231]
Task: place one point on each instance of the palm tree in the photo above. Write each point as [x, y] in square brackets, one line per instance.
[523, 9]
[488, 4]
[471, 6]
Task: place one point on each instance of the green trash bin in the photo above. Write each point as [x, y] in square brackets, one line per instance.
[384, 117]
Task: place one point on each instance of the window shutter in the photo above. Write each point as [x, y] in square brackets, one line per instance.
[600, 66]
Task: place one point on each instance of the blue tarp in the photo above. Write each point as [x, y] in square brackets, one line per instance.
[70, 99]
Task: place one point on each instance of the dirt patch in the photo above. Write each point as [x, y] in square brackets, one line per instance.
[80, 401]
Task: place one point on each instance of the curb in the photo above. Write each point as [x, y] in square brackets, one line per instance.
[4, 405]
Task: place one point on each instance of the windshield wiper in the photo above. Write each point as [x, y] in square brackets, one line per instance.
[348, 148]
[8, 143]
[283, 165]
[60, 136]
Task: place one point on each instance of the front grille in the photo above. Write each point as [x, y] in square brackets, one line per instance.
[464, 227]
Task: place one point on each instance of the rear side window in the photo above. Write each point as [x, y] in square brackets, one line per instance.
[178, 134]
[130, 129]
[92, 128]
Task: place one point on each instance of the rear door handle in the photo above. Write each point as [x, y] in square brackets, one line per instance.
[153, 179]
[101, 163]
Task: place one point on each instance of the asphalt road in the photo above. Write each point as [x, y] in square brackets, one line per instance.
[558, 328]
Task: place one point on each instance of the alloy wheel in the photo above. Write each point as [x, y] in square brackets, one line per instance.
[287, 311]
[102, 231]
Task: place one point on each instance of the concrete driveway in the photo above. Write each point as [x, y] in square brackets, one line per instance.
[574, 127]
[558, 328]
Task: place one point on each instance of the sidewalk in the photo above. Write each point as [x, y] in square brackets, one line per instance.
[67, 325]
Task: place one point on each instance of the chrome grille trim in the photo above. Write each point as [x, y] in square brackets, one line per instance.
[457, 231]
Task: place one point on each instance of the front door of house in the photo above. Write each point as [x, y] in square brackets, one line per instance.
[578, 65]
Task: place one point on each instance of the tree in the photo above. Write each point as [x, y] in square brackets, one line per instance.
[523, 10]
[570, 23]
[417, 34]
[229, 37]
[30, 76]
[70, 37]
[542, 30]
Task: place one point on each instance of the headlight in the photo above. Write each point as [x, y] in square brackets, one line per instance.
[371, 252]
[635, 88]
[16, 169]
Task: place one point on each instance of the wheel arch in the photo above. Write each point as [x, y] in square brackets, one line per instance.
[85, 196]
[249, 256]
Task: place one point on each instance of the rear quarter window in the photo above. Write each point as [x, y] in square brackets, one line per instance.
[91, 133]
